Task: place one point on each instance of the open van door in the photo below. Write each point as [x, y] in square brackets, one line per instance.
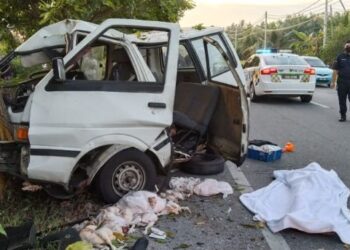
[228, 132]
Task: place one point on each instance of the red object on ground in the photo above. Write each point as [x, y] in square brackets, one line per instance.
[289, 147]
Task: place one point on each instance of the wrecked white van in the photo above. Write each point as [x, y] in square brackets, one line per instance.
[118, 103]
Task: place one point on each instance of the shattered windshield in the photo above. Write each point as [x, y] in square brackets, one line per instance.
[13, 72]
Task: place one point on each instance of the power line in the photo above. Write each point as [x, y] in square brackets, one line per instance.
[280, 29]
[306, 8]
[310, 8]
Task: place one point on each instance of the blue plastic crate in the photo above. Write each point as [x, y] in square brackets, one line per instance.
[263, 156]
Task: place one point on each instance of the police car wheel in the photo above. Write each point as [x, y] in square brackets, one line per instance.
[252, 94]
[129, 170]
[306, 98]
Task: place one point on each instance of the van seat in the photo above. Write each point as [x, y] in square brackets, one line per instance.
[194, 106]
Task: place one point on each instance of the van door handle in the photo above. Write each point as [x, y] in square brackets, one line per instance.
[158, 105]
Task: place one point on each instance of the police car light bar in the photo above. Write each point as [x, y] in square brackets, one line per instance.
[266, 51]
[270, 51]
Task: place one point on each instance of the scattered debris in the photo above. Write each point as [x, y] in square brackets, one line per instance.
[210, 187]
[142, 208]
[184, 185]
[157, 234]
[80, 245]
[289, 147]
[265, 152]
[29, 187]
[170, 234]
[140, 244]
[311, 199]
[257, 225]
[182, 246]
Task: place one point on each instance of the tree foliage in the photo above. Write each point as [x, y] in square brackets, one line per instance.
[303, 34]
[21, 18]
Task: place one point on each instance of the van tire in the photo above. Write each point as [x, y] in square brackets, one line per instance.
[306, 98]
[129, 170]
[204, 164]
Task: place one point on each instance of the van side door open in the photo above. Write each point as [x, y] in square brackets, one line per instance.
[228, 131]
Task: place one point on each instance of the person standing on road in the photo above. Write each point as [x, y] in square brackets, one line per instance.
[341, 79]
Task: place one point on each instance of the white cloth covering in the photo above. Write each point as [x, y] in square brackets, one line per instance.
[312, 199]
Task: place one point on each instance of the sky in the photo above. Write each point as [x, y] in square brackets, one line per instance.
[225, 12]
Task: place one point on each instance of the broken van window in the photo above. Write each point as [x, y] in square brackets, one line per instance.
[93, 63]
[184, 61]
[217, 63]
[15, 73]
[198, 46]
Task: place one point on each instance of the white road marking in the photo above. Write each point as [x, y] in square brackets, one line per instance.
[319, 104]
[274, 240]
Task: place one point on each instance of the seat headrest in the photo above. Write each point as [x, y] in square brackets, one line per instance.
[121, 56]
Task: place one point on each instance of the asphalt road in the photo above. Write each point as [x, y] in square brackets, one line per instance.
[216, 223]
[318, 136]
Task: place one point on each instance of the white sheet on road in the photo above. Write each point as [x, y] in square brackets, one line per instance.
[312, 199]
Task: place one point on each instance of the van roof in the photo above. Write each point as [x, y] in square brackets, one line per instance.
[53, 35]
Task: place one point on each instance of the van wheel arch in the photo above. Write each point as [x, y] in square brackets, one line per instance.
[127, 168]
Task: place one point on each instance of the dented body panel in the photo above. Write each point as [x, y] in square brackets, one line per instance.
[76, 118]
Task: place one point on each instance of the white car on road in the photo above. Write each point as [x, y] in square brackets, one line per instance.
[279, 74]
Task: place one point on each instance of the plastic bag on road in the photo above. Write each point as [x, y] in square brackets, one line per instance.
[210, 187]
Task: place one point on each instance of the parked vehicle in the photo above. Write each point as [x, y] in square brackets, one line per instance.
[323, 73]
[119, 107]
[279, 74]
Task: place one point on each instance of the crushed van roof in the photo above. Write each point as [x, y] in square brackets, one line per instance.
[53, 35]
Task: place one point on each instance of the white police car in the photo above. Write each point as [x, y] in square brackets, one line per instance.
[279, 74]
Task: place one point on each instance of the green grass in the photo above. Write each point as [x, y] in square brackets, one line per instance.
[46, 212]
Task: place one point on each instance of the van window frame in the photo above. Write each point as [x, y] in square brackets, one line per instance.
[107, 85]
[205, 75]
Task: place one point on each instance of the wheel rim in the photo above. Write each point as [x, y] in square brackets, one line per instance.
[128, 176]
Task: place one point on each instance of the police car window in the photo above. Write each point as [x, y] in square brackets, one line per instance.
[283, 60]
[314, 62]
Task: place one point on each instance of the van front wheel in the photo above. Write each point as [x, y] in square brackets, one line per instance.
[129, 170]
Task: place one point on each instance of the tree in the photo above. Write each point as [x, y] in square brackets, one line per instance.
[307, 44]
[24, 17]
[336, 46]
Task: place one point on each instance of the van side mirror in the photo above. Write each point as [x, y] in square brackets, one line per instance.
[59, 73]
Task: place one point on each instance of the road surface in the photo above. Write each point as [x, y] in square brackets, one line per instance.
[216, 223]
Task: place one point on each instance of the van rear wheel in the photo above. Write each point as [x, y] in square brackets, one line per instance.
[129, 170]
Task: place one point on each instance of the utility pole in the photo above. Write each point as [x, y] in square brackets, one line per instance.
[325, 24]
[236, 37]
[331, 19]
[265, 37]
[342, 4]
